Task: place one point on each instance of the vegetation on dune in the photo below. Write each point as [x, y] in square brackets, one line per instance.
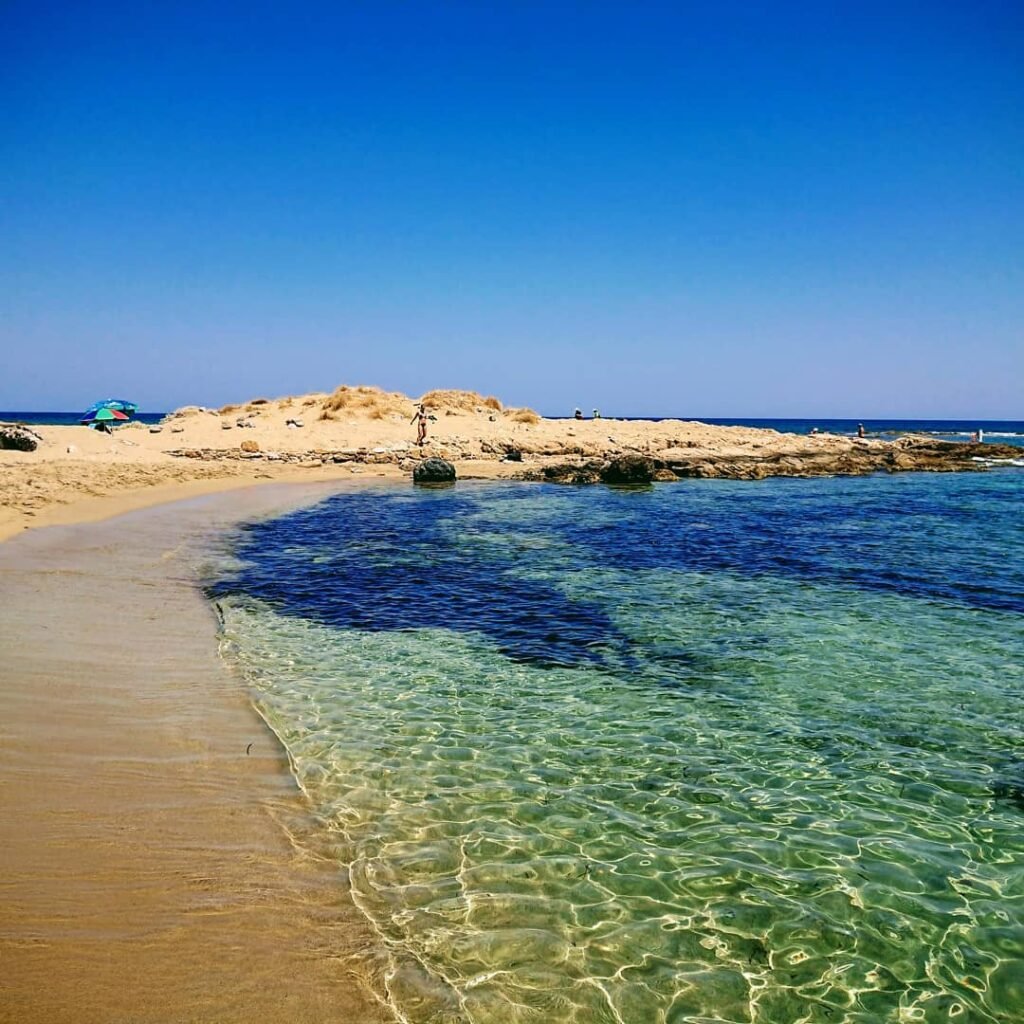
[362, 400]
[454, 400]
[375, 403]
[523, 415]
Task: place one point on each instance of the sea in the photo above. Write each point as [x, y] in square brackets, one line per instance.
[63, 419]
[705, 751]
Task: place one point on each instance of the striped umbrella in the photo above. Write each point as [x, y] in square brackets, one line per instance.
[105, 415]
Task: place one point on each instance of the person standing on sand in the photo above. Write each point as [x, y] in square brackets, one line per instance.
[860, 430]
[420, 419]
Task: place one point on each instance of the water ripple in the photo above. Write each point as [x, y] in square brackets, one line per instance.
[733, 785]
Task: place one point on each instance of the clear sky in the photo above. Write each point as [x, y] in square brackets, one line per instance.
[720, 209]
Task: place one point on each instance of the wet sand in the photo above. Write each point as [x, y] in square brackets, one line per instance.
[152, 865]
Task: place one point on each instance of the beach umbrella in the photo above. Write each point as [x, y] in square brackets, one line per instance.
[120, 404]
[105, 415]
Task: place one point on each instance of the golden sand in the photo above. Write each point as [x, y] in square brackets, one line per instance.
[152, 867]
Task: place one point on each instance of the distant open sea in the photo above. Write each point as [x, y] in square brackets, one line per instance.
[1004, 431]
[64, 419]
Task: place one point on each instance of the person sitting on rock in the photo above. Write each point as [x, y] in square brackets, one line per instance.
[420, 419]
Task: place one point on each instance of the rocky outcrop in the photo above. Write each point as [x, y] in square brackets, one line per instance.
[434, 471]
[910, 453]
[629, 469]
[18, 438]
[566, 473]
[567, 464]
[855, 459]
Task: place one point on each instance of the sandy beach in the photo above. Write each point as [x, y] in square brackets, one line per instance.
[153, 865]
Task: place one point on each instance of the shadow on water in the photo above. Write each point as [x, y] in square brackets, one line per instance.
[878, 534]
[486, 561]
[402, 564]
[830, 773]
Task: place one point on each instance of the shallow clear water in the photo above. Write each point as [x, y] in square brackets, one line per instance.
[712, 751]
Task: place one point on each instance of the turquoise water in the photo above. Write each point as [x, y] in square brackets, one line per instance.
[710, 751]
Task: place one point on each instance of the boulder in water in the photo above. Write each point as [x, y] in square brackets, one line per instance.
[567, 473]
[629, 469]
[434, 471]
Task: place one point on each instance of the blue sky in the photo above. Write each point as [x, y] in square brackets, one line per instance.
[714, 209]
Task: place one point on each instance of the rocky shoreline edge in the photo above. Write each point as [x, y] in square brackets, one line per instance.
[585, 464]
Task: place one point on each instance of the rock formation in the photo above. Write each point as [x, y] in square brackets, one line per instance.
[629, 469]
[434, 471]
[18, 437]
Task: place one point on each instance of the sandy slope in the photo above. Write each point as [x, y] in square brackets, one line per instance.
[157, 864]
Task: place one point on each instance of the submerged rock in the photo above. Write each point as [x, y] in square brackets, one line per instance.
[629, 469]
[434, 471]
[567, 473]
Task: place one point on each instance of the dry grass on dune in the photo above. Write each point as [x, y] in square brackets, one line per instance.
[523, 415]
[361, 400]
[373, 403]
[460, 401]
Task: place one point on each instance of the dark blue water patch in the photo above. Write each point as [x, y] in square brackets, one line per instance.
[491, 559]
[957, 538]
[392, 562]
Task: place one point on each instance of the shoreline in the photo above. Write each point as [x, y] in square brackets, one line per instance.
[154, 868]
[91, 508]
[41, 492]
